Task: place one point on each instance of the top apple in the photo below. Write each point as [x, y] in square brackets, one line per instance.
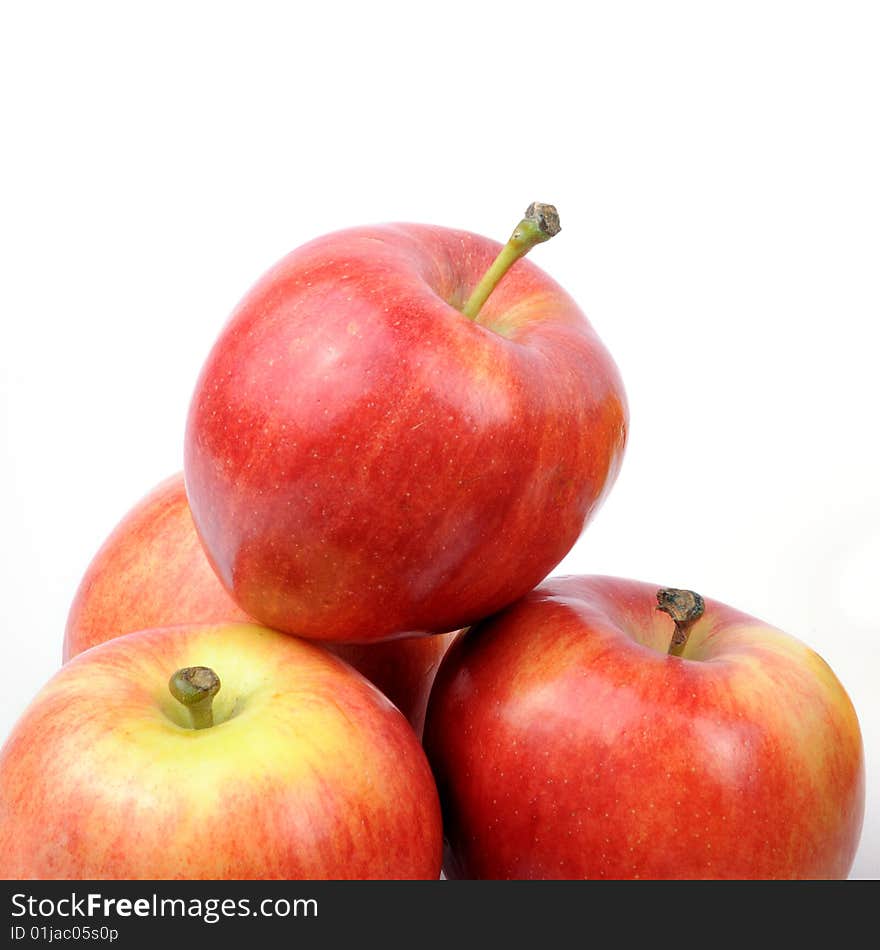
[376, 446]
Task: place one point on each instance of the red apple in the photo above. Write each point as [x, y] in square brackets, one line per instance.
[568, 743]
[375, 447]
[152, 572]
[302, 769]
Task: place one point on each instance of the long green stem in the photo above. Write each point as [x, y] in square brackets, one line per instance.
[685, 607]
[540, 223]
[195, 687]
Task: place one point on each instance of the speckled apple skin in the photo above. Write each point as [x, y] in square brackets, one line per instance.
[566, 743]
[308, 772]
[361, 459]
[152, 572]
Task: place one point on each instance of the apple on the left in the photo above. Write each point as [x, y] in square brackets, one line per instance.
[131, 763]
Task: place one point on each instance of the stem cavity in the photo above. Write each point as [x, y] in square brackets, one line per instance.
[195, 687]
[540, 223]
[685, 607]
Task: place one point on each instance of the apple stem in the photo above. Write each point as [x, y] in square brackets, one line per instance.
[195, 687]
[685, 607]
[540, 223]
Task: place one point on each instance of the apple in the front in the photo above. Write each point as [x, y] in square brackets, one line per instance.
[152, 572]
[569, 742]
[129, 764]
[401, 427]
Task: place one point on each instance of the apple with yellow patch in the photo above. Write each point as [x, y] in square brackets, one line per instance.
[214, 751]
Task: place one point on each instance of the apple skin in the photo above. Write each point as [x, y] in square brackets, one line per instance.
[152, 572]
[362, 459]
[566, 743]
[308, 772]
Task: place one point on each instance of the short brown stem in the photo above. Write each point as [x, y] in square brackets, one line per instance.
[685, 607]
[195, 687]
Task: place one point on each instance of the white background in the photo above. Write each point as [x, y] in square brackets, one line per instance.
[716, 167]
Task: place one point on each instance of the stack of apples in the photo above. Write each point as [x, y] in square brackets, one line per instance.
[329, 647]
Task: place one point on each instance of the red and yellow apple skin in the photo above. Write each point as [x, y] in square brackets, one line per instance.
[362, 459]
[567, 743]
[152, 572]
[308, 772]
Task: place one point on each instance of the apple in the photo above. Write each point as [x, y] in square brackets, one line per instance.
[152, 572]
[383, 440]
[569, 742]
[128, 766]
